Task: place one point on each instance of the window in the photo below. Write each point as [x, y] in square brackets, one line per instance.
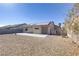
[36, 28]
[26, 29]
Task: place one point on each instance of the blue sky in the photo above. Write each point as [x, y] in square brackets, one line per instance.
[33, 13]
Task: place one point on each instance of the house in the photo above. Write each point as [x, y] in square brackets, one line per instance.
[48, 28]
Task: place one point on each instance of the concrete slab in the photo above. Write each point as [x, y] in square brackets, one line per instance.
[34, 35]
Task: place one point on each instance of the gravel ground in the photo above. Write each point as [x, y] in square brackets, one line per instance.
[15, 45]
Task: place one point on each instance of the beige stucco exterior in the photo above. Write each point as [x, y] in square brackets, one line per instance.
[36, 29]
[42, 29]
[29, 29]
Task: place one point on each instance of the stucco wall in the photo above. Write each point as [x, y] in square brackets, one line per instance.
[29, 30]
[37, 29]
[51, 29]
[44, 29]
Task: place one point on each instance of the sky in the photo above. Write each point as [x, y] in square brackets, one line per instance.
[32, 13]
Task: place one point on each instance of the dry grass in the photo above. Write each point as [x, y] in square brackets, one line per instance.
[24, 45]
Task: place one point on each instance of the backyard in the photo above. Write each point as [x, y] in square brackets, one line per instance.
[13, 45]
